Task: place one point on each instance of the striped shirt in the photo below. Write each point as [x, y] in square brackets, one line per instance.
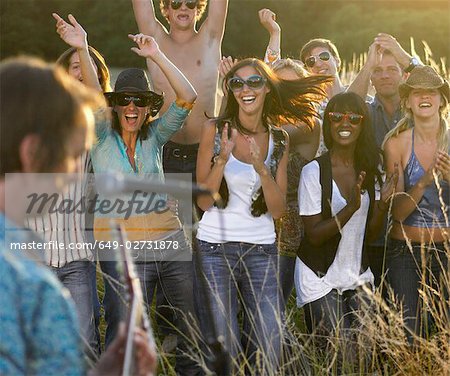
[66, 229]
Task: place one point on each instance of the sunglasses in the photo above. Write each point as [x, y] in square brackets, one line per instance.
[311, 61]
[126, 99]
[339, 117]
[176, 4]
[256, 81]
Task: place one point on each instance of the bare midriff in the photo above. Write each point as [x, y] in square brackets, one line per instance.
[420, 234]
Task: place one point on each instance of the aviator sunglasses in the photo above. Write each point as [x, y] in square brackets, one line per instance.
[253, 82]
[339, 117]
[311, 61]
[126, 99]
[176, 4]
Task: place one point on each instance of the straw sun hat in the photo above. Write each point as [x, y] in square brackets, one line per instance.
[424, 77]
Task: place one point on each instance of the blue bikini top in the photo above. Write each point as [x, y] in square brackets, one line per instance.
[431, 208]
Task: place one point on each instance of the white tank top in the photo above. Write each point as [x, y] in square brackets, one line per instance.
[235, 223]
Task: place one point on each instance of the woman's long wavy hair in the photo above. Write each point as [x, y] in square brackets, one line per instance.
[407, 122]
[367, 155]
[288, 102]
[103, 71]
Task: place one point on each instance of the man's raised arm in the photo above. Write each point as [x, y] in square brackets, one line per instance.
[361, 83]
[144, 13]
[214, 24]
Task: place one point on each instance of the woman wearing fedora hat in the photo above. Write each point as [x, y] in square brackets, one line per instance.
[419, 145]
[131, 144]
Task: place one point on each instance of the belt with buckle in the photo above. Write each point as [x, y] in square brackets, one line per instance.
[182, 151]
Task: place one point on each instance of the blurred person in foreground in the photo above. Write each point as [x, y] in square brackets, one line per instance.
[37, 317]
[71, 260]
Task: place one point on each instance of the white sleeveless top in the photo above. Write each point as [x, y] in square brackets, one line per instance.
[235, 223]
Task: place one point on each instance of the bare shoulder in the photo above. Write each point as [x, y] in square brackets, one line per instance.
[400, 143]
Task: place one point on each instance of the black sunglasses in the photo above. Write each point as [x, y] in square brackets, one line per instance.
[176, 4]
[253, 82]
[311, 61]
[339, 117]
[126, 99]
[155, 101]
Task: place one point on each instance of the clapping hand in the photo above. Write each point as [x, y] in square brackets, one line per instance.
[374, 55]
[227, 144]
[256, 157]
[388, 188]
[443, 165]
[355, 199]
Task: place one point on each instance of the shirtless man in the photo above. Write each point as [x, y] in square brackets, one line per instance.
[197, 54]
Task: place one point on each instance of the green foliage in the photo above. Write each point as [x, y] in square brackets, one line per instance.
[28, 27]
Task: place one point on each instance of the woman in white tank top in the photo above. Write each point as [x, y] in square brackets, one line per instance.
[243, 156]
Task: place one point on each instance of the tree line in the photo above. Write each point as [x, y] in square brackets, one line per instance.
[27, 26]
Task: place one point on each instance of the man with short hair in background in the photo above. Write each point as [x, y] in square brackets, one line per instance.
[387, 66]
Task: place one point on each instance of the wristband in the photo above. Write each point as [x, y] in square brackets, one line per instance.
[183, 104]
[272, 55]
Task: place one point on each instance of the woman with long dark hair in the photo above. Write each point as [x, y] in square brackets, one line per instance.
[341, 210]
[243, 156]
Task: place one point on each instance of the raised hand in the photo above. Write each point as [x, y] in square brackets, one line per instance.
[388, 188]
[388, 42]
[227, 144]
[256, 157]
[374, 55]
[225, 65]
[355, 199]
[147, 46]
[268, 20]
[72, 33]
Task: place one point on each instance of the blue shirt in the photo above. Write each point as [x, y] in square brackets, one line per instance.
[109, 153]
[381, 125]
[38, 327]
[380, 120]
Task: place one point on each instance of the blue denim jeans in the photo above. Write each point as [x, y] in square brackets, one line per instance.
[323, 316]
[408, 271]
[75, 276]
[236, 272]
[174, 280]
[95, 302]
[113, 300]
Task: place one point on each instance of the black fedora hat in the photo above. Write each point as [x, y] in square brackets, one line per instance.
[134, 80]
